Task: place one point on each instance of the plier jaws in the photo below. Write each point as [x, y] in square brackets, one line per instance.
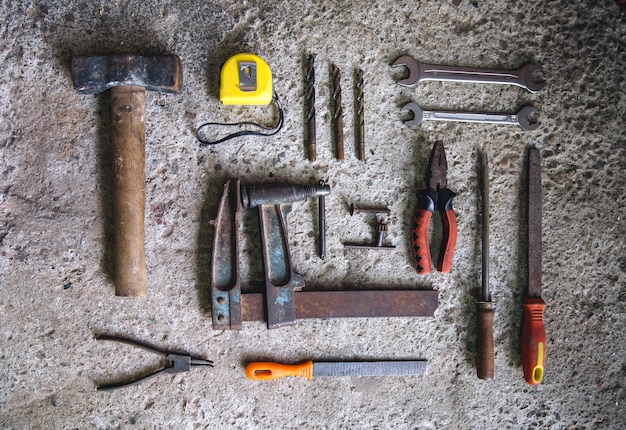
[175, 362]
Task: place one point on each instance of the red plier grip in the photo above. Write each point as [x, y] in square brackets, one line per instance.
[419, 238]
[448, 222]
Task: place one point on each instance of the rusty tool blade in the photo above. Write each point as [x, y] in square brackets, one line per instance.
[225, 283]
[280, 278]
[437, 167]
[534, 223]
[95, 74]
[349, 304]
[370, 368]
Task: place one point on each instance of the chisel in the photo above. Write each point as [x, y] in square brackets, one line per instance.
[533, 330]
[263, 371]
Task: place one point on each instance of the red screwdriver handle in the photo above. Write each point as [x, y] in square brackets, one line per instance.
[421, 248]
[533, 340]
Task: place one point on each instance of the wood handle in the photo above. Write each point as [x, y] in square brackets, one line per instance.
[128, 105]
[484, 341]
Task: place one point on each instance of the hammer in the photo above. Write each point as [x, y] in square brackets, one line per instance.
[128, 77]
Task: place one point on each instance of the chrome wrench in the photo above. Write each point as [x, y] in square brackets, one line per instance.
[521, 118]
[427, 72]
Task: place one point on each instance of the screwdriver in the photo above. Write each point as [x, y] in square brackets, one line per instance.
[485, 307]
[533, 330]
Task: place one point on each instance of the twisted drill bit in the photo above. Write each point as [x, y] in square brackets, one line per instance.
[338, 111]
[360, 117]
[310, 105]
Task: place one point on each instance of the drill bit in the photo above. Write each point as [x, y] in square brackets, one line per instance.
[337, 111]
[360, 117]
[310, 105]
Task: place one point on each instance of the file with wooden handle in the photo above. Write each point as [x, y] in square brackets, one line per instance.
[485, 307]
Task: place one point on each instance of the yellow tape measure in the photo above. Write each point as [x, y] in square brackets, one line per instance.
[246, 79]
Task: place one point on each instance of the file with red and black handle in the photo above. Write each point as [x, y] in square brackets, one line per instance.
[533, 329]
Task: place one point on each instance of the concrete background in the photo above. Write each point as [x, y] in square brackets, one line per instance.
[56, 234]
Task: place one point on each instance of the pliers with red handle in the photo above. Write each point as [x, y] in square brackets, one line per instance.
[434, 195]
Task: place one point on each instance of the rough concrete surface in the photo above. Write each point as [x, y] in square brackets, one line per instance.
[57, 236]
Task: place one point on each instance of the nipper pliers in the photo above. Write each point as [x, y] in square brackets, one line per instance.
[176, 362]
[434, 195]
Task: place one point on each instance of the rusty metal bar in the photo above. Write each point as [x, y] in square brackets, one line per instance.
[349, 304]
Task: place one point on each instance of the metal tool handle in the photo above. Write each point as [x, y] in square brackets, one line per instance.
[225, 282]
[122, 384]
[468, 74]
[491, 118]
[281, 280]
[128, 105]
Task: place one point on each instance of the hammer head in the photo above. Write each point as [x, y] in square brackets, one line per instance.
[93, 75]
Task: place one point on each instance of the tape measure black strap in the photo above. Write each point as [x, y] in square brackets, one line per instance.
[265, 131]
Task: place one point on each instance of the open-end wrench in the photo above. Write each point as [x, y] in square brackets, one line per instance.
[427, 72]
[521, 118]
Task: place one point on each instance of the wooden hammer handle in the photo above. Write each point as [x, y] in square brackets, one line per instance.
[128, 105]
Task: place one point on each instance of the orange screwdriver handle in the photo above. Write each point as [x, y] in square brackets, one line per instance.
[268, 370]
[533, 340]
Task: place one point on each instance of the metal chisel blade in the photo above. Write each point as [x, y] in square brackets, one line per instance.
[370, 368]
